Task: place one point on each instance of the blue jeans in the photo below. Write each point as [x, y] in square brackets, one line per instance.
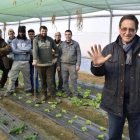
[116, 124]
[32, 77]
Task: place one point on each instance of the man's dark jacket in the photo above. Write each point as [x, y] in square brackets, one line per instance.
[114, 70]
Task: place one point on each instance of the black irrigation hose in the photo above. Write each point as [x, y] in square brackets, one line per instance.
[93, 130]
[13, 121]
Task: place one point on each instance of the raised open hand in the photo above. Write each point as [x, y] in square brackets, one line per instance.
[96, 56]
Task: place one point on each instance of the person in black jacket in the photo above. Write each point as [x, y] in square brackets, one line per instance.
[119, 62]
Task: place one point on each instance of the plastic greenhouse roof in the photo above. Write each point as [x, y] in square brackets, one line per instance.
[25, 9]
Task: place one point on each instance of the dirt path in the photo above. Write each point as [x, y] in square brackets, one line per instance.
[3, 136]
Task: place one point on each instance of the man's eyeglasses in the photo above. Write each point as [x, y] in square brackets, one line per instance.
[131, 30]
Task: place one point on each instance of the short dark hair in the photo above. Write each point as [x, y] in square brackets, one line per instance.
[31, 30]
[43, 27]
[131, 17]
[68, 31]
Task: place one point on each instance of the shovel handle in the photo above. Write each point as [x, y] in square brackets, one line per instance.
[34, 83]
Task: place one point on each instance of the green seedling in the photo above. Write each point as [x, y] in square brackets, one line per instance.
[57, 83]
[79, 89]
[69, 98]
[42, 102]
[99, 97]
[70, 121]
[20, 91]
[58, 115]
[47, 110]
[28, 102]
[39, 79]
[88, 122]
[101, 136]
[75, 117]
[2, 89]
[27, 95]
[20, 98]
[83, 81]
[5, 122]
[36, 105]
[53, 106]
[54, 103]
[5, 84]
[93, 83]
[86, 93]
[19, 129]
[70, 87]
[64, 111]
[102, 128]
[33, 137]
[14, 94]
[123, 136]
[84, 129]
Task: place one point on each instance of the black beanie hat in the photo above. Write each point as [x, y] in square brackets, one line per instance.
[22, 29]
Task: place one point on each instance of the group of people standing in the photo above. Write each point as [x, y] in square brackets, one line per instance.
[48, 55]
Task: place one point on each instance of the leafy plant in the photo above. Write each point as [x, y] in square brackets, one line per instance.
[79, 89]
[70, 87]
[94, 104]
[122, 136]
[70, 121]
[20, 98]
[83, 81]
[59, 94]
[57, 83]
[102, 128]
[2, 89]
[75, 117]
[5, 122]
[27, 95]
[36, 105]
[47, 110]
[88, 122]
[19, 129]
[64, 111]
[42, 102]
[99, 97]
[58, 115]
[33, 137]
[86, 93]
[101, 136]
[69, 98]
[93, 83]
[28, 102]
[14, 94]
[84, 129]
[54, 103]
[20, 91]
[53, 106]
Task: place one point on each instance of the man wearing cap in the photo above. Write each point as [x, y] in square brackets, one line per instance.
[21, 48]
[42, 57]
[4, 62]
[31, 34]
[11, 35]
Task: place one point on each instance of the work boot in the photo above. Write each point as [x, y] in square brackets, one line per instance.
[8, 94]
[55, 99]
[44, 97]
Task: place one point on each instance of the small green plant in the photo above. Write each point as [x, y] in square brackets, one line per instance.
[27, 95]
[54, 103]
[42, 102]
[47, 110]
[28, 102]
[14, 94]
[75, 117]
[122, 136]
[20, 98]
[2, 89]
[86, 93]
[84, 129]
[53, 106]
[93, 83]
[36, 105]
[5, 122]
[69, 98]
[99, 97]
[33, 137]
[58, 115]
[59, 94]
[20, 91]
[83, 81]
[70, 121]
[70, 87]
[88, 122]
[102, 128]
[64, 111]
[101, 136]
[19, 129]
[79, 89]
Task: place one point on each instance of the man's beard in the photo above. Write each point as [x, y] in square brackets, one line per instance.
[43, 36]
